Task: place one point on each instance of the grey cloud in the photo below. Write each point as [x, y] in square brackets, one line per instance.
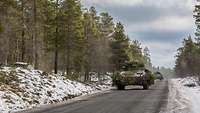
[136, 14]
[143, 13]
[162, 36]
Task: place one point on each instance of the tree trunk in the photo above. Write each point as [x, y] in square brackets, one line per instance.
[56, 42]
[68, 58]
[56, 53]
[68, 51]
[35, 55]
[86, 78]
[99, 78]
[23, 33]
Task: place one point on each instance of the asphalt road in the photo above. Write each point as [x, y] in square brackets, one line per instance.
[132, 100]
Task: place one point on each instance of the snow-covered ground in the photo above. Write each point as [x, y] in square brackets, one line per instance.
[26, 88]
[184, 95]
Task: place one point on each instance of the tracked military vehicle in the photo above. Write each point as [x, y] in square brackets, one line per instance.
[140, 76]
[158, 75]
[133, 74]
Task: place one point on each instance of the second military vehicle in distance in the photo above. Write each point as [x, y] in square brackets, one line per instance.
[158, 75]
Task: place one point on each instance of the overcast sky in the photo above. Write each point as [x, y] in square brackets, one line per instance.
[158, 24]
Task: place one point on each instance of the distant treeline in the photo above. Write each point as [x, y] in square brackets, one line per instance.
[188, 57]
[61, 35]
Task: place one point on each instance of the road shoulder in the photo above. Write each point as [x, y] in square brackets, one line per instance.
[70, 101]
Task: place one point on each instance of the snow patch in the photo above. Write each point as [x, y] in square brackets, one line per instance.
[33, 88]
[184, 95]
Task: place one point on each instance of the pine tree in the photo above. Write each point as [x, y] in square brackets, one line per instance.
[135, 52]
[9, 36]
[91, 34]
[22, 32]
[188, 56]
[147, 58]
[197, 21]
[187, 61]
[73, 33]
[119, 46]
[52, 29]
[34, 34]
[106, 24]
[1, 28]
[106, 28]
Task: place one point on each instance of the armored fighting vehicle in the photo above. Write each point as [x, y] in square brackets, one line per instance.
[158, 75]
[140, 76]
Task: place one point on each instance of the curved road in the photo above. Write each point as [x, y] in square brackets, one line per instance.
[132, 100]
